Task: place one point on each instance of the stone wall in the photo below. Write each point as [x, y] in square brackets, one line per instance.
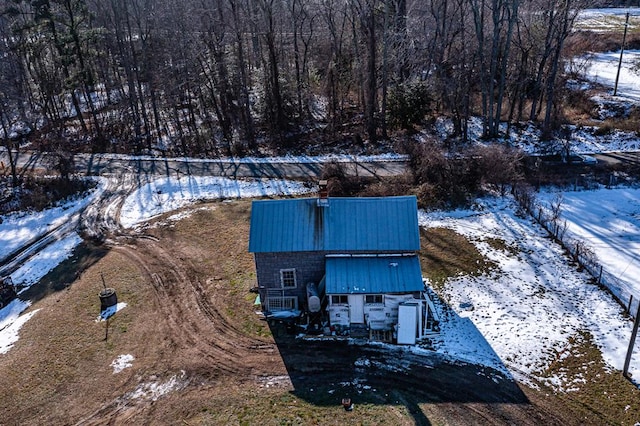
[309, 266]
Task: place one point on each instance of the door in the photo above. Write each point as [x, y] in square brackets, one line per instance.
[407, 323]
[356, 308]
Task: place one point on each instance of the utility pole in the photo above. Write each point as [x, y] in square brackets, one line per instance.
[624, 39]
[634, 333]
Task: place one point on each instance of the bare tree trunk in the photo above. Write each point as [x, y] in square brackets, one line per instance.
[295, 16]
[247, 120]
[478, 15]
[368, 26]
[276, 107]
[565, 28]
[71, 9]
[512, 18]
[9, 146]
[385, 71]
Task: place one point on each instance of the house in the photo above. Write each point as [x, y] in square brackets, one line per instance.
[351, 261]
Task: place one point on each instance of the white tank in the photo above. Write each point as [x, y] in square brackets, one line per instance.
[313, 300]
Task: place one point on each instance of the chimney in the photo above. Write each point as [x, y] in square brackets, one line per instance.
[323, 194]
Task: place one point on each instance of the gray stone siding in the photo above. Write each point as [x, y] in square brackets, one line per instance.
[309, 266]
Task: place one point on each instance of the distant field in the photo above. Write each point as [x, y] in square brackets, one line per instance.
[607, 20]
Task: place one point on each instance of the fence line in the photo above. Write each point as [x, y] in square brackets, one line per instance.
[580, 252]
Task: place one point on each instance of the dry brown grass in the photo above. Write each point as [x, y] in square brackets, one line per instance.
[196, 323]
[595, 390]
[445, 253]
[62, 350]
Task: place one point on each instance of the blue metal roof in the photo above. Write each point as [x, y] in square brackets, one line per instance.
[373, 275]
[344, 224]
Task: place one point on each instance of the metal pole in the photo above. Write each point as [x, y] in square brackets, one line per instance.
[634, 333]
[624, 38]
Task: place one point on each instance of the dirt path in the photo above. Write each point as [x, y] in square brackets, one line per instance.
[192, 303]
[193, 330]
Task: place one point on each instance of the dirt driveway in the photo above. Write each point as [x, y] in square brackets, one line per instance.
[199, 353]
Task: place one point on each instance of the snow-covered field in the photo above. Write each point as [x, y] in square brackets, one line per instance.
[608, 19]
[18, 229]
[602, 69]
[521, 316]
[608, 222]
[167, 194]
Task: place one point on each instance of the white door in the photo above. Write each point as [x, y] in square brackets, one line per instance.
[407, 323]
[356, 308]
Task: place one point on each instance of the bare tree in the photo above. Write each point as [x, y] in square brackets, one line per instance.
[11, 94]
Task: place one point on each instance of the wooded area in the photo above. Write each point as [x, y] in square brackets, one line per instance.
[216, 77]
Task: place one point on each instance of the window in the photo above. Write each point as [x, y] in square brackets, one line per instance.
[373, 299]
[341, 299]
[288, 278]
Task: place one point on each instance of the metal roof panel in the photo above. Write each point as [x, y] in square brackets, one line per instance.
[373, 275]
[344, 224]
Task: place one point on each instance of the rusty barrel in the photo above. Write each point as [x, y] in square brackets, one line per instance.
[108, 298]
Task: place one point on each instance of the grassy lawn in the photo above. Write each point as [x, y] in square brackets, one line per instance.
[59, 371]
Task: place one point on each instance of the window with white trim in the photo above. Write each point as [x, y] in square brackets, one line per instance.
[373, 299]
[288, 278]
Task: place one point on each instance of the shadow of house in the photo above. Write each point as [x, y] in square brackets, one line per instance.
[324, 372]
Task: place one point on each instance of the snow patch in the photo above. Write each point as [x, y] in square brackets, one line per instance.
[152, 391]
[11, 322]
[110, 311]
[525, 312]
[45, 261]
[122, 362]
[166, 194]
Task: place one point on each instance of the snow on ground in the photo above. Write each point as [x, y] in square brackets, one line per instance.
[46, 260]
[122, 362]
[18, 229]
[517, 319]
[110, 311]
[526, 136]
[521, 315]
[608, 19]
[152, 199]
[608, 222]
[152, 391]
[167, 194]
[28, 274]
[603, 69]
[184, 214]
[11, 321]
[286, 159]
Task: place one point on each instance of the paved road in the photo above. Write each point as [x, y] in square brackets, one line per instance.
[101, 165]
[619, 158]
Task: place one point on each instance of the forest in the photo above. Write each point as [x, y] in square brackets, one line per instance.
[224, 77]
